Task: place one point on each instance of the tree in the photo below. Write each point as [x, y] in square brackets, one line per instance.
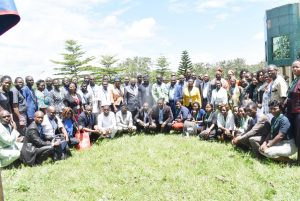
[185, 63]
[136, 65]
[107, 67]
[74, 63]
[281, 47]
[162, 66]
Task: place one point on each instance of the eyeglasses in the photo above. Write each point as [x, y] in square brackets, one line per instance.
[6, 116]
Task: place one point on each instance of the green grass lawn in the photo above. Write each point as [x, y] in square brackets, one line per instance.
[160, 167]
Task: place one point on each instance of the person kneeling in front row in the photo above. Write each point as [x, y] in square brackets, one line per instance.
[36, 149]
[9, 146]
[279, 144]
[124, 121]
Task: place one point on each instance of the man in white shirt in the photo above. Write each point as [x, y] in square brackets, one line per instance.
[219, 95]
[52, 125]
[94, 91]
[124, 121]
[105, 95]
[107, 125]
[279, 86]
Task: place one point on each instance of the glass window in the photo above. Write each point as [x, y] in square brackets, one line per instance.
[281, 47]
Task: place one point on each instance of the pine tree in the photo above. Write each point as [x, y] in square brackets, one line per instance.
[107, 67]
[162, 66]
[73, 64]
[185, 63]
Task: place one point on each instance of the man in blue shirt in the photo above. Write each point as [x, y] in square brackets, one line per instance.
[31, 100]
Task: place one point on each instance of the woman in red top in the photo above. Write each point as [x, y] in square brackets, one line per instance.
[293, 104]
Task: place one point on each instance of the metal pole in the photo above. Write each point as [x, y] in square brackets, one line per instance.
[1, 188]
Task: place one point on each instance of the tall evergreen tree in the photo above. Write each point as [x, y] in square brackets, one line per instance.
[185, 63]
[107, 67]
[74, 63]
[162, 66]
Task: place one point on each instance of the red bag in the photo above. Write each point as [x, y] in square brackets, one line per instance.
[84, 140]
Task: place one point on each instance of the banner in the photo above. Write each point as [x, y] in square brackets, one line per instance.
[9, 16]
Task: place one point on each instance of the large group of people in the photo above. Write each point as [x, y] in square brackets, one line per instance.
[258, 111]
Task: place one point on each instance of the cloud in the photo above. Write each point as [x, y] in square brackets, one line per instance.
[259, 36]
[204, 5]
[222, 16]
[143, 28]
[178, 6]
[44, 26]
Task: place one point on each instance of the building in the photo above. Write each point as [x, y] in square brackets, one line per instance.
[283, 35]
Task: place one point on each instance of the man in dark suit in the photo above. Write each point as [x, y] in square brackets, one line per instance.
[131, 97]
[206, 89]
[142, 118]
[161, 117]
[36, 149]
[87, 122]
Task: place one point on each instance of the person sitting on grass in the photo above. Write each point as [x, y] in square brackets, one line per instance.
[193, 124]
[36, 148]
[161, 117]
[181, 114]
[279, 144]
[142, 119]
[243, 121]
[225, 122]
[87, 122]
[258, 125]
[124, 121]
[71, 126]
[209, 126]
[107, 126]
[54, 129]
[9, 146]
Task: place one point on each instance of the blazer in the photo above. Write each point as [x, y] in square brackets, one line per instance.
[261, 128]
[140, 116]
[193, 95]
[32, 140]
[70, 102]
[167, 114]
[209, 90]
[131, 98]
[85, 122]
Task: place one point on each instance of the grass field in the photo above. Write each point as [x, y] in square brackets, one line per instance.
[160, 167]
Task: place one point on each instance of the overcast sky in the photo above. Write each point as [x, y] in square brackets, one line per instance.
[211, 30]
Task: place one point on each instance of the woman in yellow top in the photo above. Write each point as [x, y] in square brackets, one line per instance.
[191, 94]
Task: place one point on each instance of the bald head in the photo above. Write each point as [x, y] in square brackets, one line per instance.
[38, 117]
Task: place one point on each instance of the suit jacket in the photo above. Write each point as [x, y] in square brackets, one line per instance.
[131, 98]
[179, 91]
[32, 140]
[70, 102]
[85, 122]
[140, 116]
[167, 114]
[261, 128]
[209, 91]
[145, 95]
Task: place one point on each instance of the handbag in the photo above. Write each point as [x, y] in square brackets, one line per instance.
[84, 140]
